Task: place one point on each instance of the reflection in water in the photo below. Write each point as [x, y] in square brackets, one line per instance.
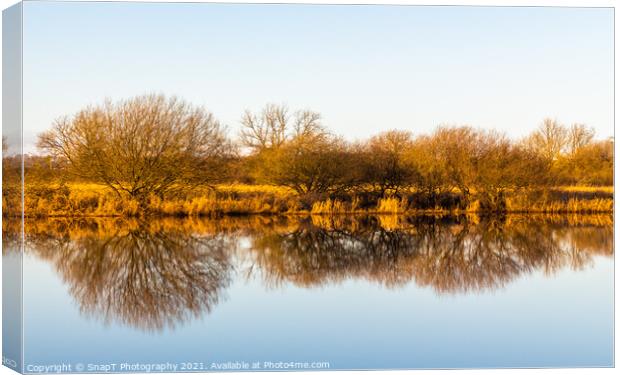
[161, 273]
[451, 255]
[135, 275]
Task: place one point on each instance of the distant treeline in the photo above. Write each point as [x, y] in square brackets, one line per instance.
[154, 146]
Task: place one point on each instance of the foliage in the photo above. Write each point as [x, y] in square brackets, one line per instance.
[140, 146]
[591, 164]
[157, 155]
[383, 163]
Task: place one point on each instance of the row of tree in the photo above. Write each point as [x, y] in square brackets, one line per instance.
[297, 151]
[158, 145]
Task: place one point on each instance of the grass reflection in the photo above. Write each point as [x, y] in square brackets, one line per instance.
[161, 273]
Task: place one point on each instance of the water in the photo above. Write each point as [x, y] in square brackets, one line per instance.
[348, 293]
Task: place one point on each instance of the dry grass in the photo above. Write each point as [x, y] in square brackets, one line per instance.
[93, 200]
[570, 206]
[244, 188]
[563, 200]
[587, 189]
[329, 207]
[392, 206]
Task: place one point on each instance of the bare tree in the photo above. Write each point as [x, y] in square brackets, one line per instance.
[427, 159]
[311, 162]
[445, 160]
[275, 125]
[550, 139]
[140, 146]
[579, 135]
[384, 163]
[308, 124]
[502, 166]
[591, 164]
[266, 130]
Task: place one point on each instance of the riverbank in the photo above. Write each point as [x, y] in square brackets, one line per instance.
[92, 200]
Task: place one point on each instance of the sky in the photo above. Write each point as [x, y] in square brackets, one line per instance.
[366, 69]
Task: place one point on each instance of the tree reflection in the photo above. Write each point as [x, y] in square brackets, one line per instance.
[160, 273]
[450, 255]
[139, 275]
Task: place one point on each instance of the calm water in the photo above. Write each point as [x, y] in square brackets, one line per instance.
[356, 293]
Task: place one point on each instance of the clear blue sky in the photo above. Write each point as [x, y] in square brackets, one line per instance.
[365, 68]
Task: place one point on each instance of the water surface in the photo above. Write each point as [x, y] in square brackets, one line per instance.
[345, 292]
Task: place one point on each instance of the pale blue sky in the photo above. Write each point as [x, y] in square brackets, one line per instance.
[365, 68]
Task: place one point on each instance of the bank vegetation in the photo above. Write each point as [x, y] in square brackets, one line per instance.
[155, 155]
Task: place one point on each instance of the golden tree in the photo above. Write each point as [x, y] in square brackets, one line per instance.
[141, 146]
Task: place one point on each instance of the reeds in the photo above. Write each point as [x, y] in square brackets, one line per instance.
[570, 205]
[392, 205]
[90, 200]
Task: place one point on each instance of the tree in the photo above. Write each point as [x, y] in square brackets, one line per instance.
[426, 157]
[476, 162]
[12, 169]
[384, 164]
[502, 166]
[550, 139]
[311, 162]
[141, 146]
[446, 159]
[295, 151]
[579, 135]
[267, 130]
[459, 148]
[274, 126]
[592, 164]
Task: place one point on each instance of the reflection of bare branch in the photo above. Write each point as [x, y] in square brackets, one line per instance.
[450, 256]
[150, 280]
[161, 273]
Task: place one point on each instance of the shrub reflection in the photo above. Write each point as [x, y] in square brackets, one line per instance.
[161, 273]
[449, 254]
[145, 277]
